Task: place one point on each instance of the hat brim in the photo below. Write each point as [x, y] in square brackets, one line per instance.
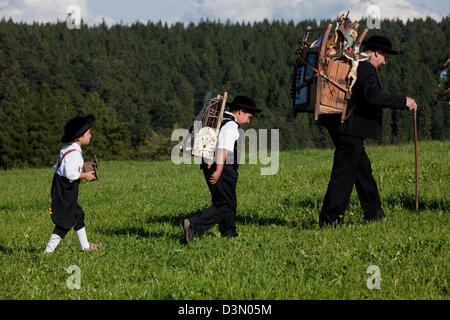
[379, 47]
[245, 107]
[90, 121]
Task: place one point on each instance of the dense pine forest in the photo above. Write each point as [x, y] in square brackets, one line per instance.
[142, 81]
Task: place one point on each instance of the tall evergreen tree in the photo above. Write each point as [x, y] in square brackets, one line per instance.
[143, 80]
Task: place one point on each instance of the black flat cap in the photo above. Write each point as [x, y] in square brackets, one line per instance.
[76, 127]
[379, 43]
[245, 103]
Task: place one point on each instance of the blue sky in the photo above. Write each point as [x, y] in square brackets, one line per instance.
[186, 11]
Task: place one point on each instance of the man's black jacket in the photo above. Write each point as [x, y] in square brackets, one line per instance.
[364, 108]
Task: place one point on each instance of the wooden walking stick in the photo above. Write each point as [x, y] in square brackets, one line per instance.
[417, 162]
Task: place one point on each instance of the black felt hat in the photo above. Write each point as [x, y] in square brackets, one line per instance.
[379, 43]
[245, 103]
[76, 127]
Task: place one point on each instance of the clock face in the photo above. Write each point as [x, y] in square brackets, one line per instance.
[205, 143]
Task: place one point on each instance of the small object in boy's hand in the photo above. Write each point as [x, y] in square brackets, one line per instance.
[92, 166]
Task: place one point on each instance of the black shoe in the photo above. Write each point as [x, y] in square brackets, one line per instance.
[230, 234]
[378, 215]
[188, 233]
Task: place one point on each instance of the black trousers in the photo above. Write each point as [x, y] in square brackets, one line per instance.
[61, 231]
[351, 167]
[223, 208]
[66, 212]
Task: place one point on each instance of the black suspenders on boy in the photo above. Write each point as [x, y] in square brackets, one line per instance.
[234, 159]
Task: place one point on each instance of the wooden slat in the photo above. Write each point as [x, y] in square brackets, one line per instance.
[317, 93]
[332, 99]
[363, 35]
[329, 91]
[341, 74]
[321, 59]
[327, 109]
[222, 109]
[336, 91]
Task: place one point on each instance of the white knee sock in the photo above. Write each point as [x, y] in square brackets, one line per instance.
[52, 243]
[82, 238]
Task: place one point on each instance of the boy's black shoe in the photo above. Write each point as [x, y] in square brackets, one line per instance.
[188, 233]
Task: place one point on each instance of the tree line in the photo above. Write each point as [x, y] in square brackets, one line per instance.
[142, 81]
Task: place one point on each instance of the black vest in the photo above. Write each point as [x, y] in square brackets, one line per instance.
[232, 158]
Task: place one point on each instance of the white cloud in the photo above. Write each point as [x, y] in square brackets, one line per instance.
[235, 10]
[100, 19]
[30, 11]
[240, 10]
[257, 10]
[401, 9]
[40, 10]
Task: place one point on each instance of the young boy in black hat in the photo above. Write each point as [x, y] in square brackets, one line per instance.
[222, 176]
[65, 210]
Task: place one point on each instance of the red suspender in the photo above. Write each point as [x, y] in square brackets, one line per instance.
[60, 160]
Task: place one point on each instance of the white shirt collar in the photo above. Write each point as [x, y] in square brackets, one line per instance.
[73, 145]
[227, 112]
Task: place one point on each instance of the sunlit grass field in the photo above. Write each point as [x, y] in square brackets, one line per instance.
[280, 253]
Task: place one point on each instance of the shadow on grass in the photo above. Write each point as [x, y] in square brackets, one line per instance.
[243, 218]
[140, 233]
[40, 205]
[303, 218]
[408, 201]
[13, 251]
[299, 221]
[6, 250]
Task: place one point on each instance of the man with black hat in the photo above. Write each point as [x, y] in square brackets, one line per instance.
[351, 165]
[222, 176]
[65, 211]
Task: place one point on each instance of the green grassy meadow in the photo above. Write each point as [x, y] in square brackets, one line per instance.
[280, 252]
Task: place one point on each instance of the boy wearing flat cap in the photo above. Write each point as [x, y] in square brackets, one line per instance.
[222, 176]
[351, 165]
[65, 210]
